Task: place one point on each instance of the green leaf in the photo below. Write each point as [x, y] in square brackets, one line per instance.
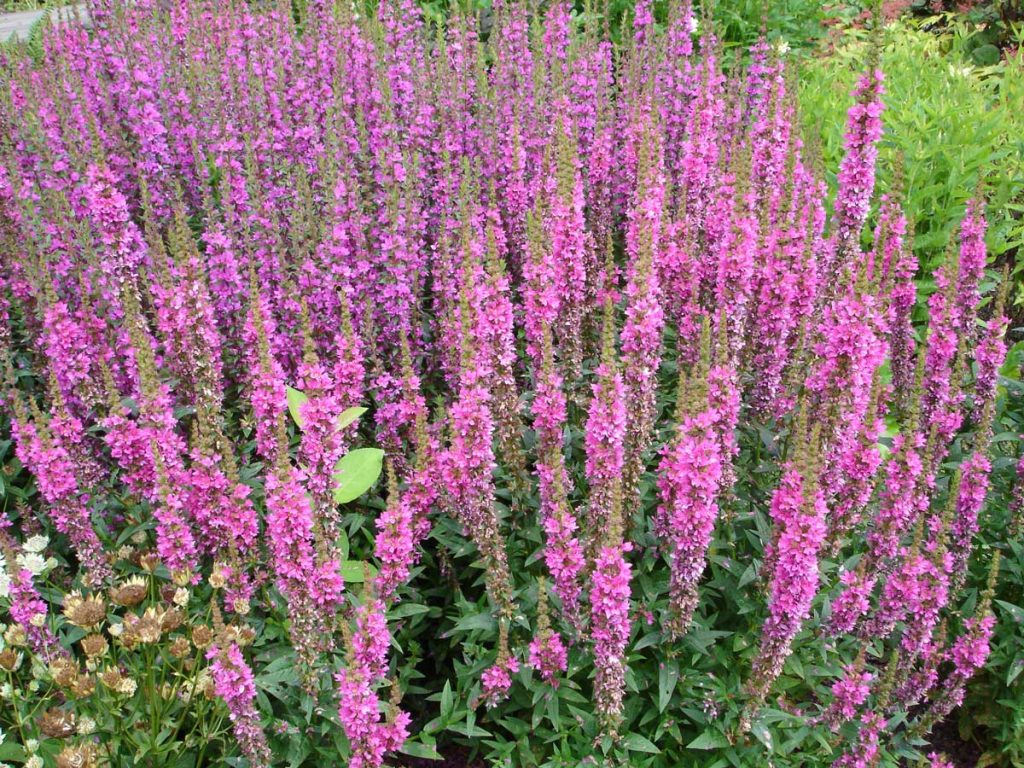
[350, 415]
[354, 571]
[12, 751]
[343, 545]
[422, 751]
[1016, 612]
[355, 472]
[761, 732]
[447, 700]
[295, 400]
[709, 740]
[986, 55]
[668, 676]
[408, 609]
[1015, 669]
[634, 742]
[476, 621]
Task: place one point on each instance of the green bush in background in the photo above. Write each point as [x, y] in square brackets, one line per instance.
[950, 123]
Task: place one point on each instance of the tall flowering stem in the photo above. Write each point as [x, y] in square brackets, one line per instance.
[609, 619]
[689, 481]
[605, 435]
[856, 179]
[642, 331]
[563, 552]
[967, 656]
[233, 682]
[798, 514]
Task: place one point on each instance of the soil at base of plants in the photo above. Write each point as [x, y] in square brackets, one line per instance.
[945, 738]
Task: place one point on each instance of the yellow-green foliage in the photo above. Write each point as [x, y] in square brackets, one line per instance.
[955, 124]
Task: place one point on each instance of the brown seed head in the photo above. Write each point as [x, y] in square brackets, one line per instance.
[56, 723]
[10, 659]
[94, 645]
[202, 636]
[84, 612]
[82, 756]
[130, 593]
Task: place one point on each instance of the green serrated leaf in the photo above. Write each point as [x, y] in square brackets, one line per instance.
[295, 400]
[355, 472]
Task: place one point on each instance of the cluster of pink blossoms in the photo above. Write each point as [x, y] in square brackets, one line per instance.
[233, 682]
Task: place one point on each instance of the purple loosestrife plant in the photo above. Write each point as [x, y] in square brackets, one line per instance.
[402, 228]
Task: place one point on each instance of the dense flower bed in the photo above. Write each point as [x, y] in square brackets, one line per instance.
[668, 467]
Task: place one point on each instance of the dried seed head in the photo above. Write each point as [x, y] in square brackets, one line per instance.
[130, 593]
[94, 645]
[82, 756]
[149, 561]
[83, 686]
[10, 659]
[202, 636]
[15, 636]
[85, 612]
[180, 648]
[64, 672]
[171, 619]
[111, 678]
[142, 629]
[57, 723]
[239, 634]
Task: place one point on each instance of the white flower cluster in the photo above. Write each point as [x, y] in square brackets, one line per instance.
[31, 559]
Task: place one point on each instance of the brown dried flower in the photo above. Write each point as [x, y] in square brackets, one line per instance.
[84, 612]
[94, 645]
[15, 636]
[82, 756]
[180, 648]
[10, 659]
[149, 561]
[111, 677]
[240, 634]
[57, 723]
[64, 672]
[83, 686]
[141, 629]
[202, 636]
[130, 593]
[171, 620]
